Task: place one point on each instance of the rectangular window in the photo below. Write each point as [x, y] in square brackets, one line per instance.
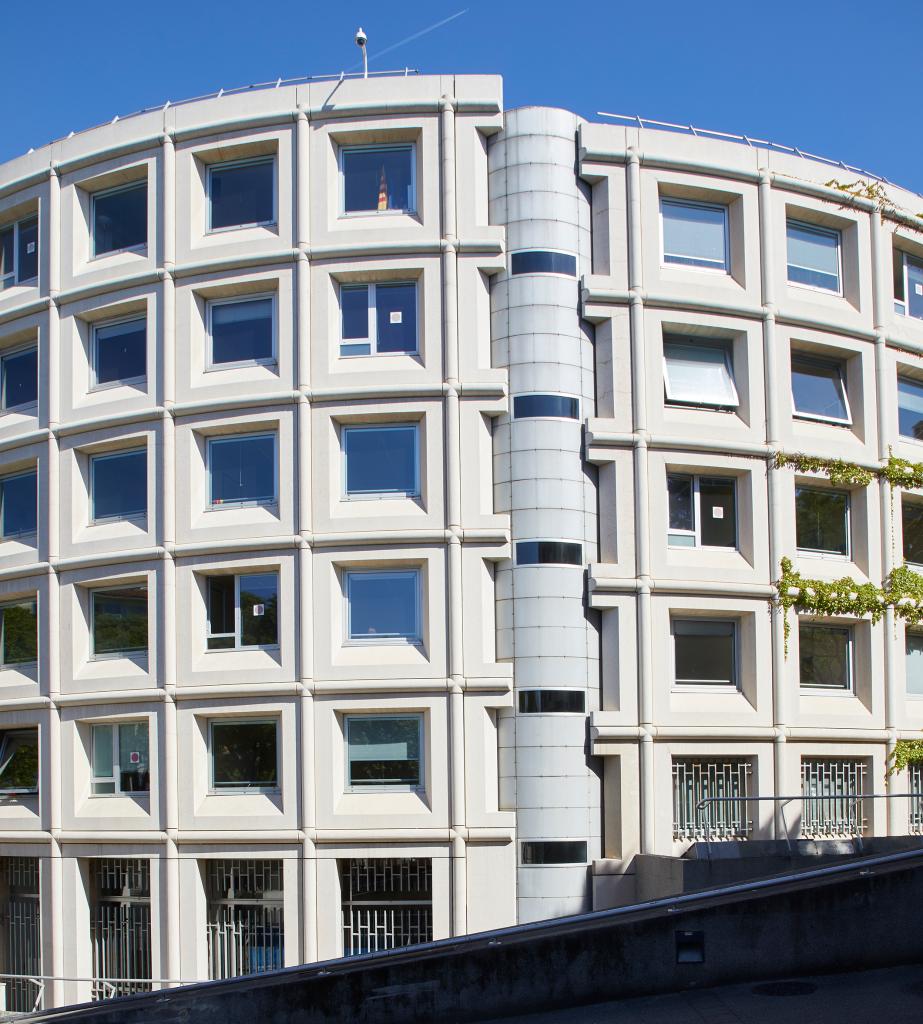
[561, 407]
[244, 755]
[912, 521]
[710, 798]
[118, 626]
[386, 902]
[698, 373]
[825, 656]
[383, 607]
[910, 408]
[19, 379]
[703, 511]
[548, 552]
[241, 330]
[18, 633]
[18, 505]
[554, 851]
[819, 390]
[378, 179]
[552, 702]
[121, 759]
[19, 253]
[19, 761]
[241, 194]
[118, 486]
[813, 256]
[913, 662]
[378, 319]
[384, 751]
[119, 351]
[245, 914]
[705, 652]
[242, 470]
[908, 285]
[695, 234]
[381, 461]
[119, 218]
[540, 261]
[243, 611]
[822, 520]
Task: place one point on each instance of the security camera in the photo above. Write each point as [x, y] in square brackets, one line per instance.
[361, 38]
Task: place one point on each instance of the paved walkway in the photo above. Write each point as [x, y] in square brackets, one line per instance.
[892, 996]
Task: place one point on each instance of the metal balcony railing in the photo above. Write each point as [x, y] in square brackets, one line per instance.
[725, 783]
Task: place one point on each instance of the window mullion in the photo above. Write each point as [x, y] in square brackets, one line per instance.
[696, 511]
[373, 320]
[116, 758]
[238, 619]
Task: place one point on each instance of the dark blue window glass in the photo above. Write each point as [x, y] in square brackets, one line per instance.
[242, 469]
[541, 262]
[378, 179]
[381, 460]
[566, 851]
[551, 702]
[241, 331]
[120, 219]
[383, 605]
[19, 373]
[910, 408]
[558, 406]
[396, 311]
[27, 245]
[354, 308]
[121, 351]
[242, 194]
[818, 389]
[548, 552]
[119, 485]
[18, 504]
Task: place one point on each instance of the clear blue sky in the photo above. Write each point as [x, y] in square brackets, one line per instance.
[838, 79]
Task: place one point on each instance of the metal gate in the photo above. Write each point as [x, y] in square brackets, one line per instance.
[831, 789]
[22, 932]
[726, 781]
[245, 917]
[387, 902]
[915, 774]
[120, 926]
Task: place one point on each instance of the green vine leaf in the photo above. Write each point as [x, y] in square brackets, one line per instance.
[839, 472]
[904, 754]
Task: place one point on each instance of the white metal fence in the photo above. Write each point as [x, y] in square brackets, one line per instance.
[245, 917]
[120, 926]
[22, 931]
[725, 783]
[832, 789]
[387, 903]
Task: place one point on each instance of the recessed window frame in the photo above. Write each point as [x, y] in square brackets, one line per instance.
[97, 782]
[376, 639]
[131, 517]
[228, 165]
[342, 150]
[237, 635]
[696, 532]
[369, 495]
[917, 635]
[902, 305]
[816, 229]
[215, 789]
[7, 737]
[709, 344]
[706, 685]
[4, 606]
[133, 653]
[212, 506]
[710, 266]
[24, 408]
[372, 331]
[914, 382]
[847, 690]
[821, 364]
[12, 277]
[101, 194]
[822, 552]
[95, 383]
[389, 787]
[270, 360]
[19, 535]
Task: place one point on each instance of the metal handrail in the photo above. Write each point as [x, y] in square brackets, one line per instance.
[39, 981]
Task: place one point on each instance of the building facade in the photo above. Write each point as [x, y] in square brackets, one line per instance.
[389, 521]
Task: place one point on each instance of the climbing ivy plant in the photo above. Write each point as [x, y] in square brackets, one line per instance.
[904, 754]
[840, 473]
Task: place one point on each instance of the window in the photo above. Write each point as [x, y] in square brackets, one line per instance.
[119, 351]
[378, 319]
[912, 521]
[19, 761]
[386, 902]
[546, 406]
[822, 520]
[698, 372]
[243, 611]
[118, 486]
[825, 656]
[18, 505]
[704, 652]
[703, 511]
[118, 626]
[908, 285]
[383, 607]
[540, 262]
[819, 390]
[241, 330]
[121, 760]
[910, 408]
[384, 751]
[548, 552]
[18, 633]
[381, 461]
[245, 915]
[695, 234]
[241, 194]
[378, 179]
[19, 378]
[119, 218]
[813, 256]
[19, 252]
[555, 851]
[552, 702]
[244, 755]
[913, 662]
[242, 470]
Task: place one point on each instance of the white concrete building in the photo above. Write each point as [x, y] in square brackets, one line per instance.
[389, 527]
